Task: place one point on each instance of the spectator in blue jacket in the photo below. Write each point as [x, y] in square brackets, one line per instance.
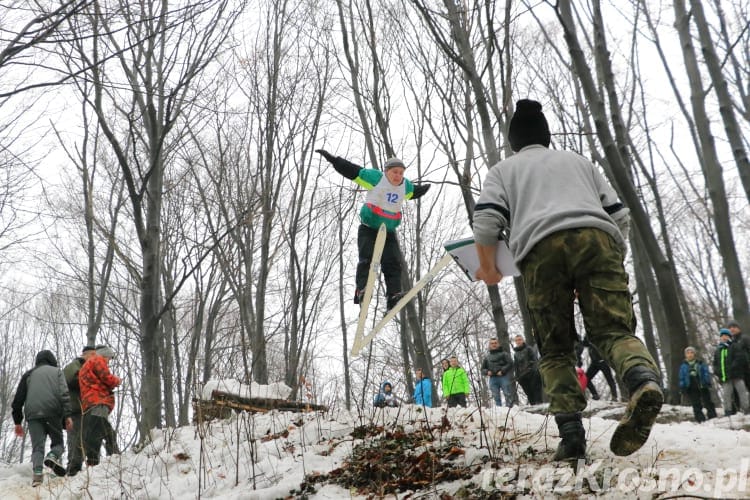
[695, 380]
[385, 397]
[422, 389]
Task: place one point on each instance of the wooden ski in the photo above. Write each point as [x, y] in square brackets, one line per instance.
[372, 278]
[431, 274]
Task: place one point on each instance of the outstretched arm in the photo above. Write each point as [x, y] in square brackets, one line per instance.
[420, 190]
[342, 166]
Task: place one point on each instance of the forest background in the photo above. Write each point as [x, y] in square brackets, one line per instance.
[160, 192]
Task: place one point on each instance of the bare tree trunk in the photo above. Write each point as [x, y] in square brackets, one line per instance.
[710, 162]
[629, 154]
[210, 332]
[97, 275]
[341, 240]
[463, 57]
[352, 58]
[159, 88]
[646, 291]
[662, 267]
[171, 362]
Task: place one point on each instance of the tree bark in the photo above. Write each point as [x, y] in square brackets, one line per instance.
[662, 267]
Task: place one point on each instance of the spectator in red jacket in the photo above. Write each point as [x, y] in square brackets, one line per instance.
[583, 380]
[97, 400]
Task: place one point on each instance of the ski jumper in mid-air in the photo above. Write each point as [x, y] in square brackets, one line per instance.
[386, 192]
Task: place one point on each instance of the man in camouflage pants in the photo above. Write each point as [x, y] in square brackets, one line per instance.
[566, 235]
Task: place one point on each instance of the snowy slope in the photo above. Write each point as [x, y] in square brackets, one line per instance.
[508, 454]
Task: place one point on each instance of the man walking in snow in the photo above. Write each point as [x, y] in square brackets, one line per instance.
[75, 437]
[566, 232]
[42, 396]
[97, 400]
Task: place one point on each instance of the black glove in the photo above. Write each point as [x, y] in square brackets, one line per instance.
[325, 154]
[420, 190]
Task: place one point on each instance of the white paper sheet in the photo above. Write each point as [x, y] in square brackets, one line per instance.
[464, 252]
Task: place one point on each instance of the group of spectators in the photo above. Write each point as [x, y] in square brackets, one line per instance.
[502, 369]
[731, 365]
[79, 398]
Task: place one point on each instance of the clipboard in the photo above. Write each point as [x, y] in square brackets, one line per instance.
[464, 253]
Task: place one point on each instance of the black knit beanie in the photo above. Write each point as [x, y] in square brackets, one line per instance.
[528, 126]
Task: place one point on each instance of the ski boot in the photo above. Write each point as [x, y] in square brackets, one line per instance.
[393, 299]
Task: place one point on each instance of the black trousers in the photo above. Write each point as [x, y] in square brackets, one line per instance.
[531, 383]
[390, 262]
[701, 398]
[75, 443]
[601, 366]
[456, 400]
[95, 430]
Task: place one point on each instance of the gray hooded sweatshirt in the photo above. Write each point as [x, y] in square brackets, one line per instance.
[42, 392]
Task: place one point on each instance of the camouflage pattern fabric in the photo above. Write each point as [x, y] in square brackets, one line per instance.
[590, 262]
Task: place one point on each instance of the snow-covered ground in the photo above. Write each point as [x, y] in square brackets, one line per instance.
[267, 456]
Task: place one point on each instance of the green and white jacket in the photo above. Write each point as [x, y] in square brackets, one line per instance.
[384, 200]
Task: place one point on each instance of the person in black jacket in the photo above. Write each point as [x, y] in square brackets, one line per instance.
[527, 373]
[75, 438]
[739, 364]
[498, 366]
[721, 370]
[42, 397]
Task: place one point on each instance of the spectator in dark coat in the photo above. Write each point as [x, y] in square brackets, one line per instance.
[75, 438]
[721, 370]
[525, 361]
[498, 366]
[42, 397]
[695, 381]
[739, 364]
